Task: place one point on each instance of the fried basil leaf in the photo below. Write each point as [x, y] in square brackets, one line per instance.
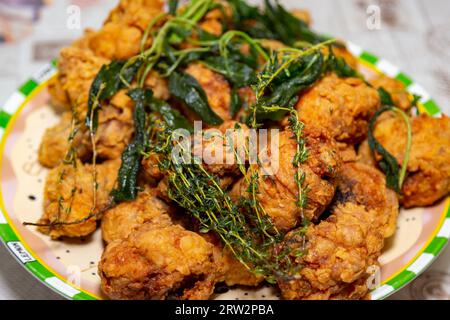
[388, 163]
[237, 73]
[105, 85]
[385, 97]
[127, 189]
[285, 89]
[187, 90]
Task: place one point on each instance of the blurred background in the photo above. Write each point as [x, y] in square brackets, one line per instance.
[414, 35]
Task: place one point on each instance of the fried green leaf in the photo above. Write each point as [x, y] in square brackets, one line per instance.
[132, 156]
[107, 83]
[187, 90]
[388, 163]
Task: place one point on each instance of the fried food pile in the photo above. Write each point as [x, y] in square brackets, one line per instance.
[313, 228]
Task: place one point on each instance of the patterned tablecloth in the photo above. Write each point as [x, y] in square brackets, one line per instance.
[413, 35]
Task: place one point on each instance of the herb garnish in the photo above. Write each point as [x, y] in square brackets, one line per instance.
[395, 174]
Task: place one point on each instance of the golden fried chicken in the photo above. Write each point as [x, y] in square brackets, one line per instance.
[395, 88]
[77, 69]
[343, 106]
[365, 185]
[114, 132]
[338, 253]
[230, 270]
[71, 207]
[278, 193]
[428, 171]
[122, 220]
[157, 262]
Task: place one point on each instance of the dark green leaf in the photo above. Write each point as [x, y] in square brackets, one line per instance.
[388, 163]
[105, 85]
[286, 89]
[173, 5]
[187, 90]
[173, 118]
[273, 22]
[238, 74]
[340, 66]
[132, 156]
[235, 102]
[385, 97]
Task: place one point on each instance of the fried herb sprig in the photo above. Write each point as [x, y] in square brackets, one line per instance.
[395, 174]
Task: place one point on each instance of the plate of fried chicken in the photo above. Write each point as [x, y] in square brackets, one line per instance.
[212, 149]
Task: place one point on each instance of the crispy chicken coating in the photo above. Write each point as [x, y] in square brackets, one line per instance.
[69, 198]
[343, 106]
[278, 193]
[157, 262]
[122, 220]
[428, 171]
[55, 142]
[365, 185]
[339, 251]
[395, 88]
[231, 271]
[114, 132]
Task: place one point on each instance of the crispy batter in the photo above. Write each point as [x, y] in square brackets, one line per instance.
[69, 197]
[55, 143]
[231, 271]
[157, 262]
[343, 106]
[428, 172]
[278, 194]
[114, 132]
[364, 185]
[397, 90]
[339, 251]
[122, 220]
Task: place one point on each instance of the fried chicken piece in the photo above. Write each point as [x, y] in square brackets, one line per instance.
[157, 262]
[278, 193]
[120, 36]
[231, 271]
[59, 99]
[400, 96]
[343, 106]
[69, 198]
[77, 69]
[216, 87]
[364, 185]
[217, 147]
[338, 253]
[428, 171]
[136, 13]
[55, 142]
[114, 132]
[125, 218]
